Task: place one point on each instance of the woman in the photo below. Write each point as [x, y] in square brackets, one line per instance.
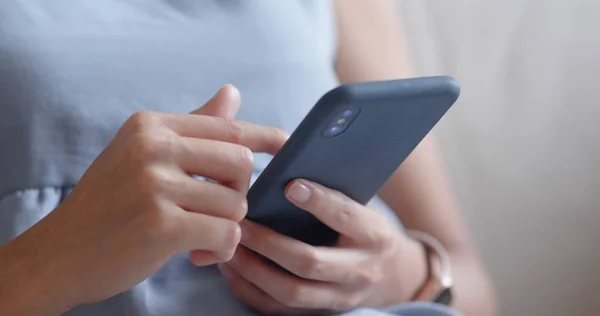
[76, 80]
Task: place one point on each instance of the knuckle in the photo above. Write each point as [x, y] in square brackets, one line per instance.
[369, 276]
[385, 241]
[233, 130]
[240, 207]
[165, 225]
[346, 210]
[162, 226]
[348, 302]
[246, 160]
[232, 235]
[141, 119]
[157, 180]
[152, 146]
[294, 296]
[241, 161]
[310, 264]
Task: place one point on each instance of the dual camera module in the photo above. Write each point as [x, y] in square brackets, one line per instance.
[341, 121]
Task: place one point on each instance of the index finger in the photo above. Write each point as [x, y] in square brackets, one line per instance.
[324, 264]
[340, 213]
[257, 138]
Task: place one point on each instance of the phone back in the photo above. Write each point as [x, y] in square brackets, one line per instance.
[392, 118]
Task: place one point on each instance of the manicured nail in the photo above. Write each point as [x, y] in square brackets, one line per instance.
[299, 192]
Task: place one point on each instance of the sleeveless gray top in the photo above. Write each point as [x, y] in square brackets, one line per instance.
[72, 71]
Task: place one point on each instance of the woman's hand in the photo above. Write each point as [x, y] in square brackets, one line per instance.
[362, 270]
[137, 205]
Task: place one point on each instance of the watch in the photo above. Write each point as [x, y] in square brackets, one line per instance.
[438, 285]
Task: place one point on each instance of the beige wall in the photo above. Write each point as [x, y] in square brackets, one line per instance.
[523, 143]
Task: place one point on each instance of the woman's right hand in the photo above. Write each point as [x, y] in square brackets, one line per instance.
[137, 205]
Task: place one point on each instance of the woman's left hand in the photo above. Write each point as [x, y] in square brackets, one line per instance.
[322, 279]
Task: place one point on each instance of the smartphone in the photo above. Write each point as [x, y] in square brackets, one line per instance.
[351, 141]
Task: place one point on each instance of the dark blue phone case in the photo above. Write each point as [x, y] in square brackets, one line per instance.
[394, 117]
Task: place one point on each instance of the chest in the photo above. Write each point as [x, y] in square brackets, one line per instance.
[99, 61]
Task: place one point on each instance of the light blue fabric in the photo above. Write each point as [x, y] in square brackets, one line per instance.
[72, 71]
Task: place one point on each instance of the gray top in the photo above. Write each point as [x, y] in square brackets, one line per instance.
[72, 71]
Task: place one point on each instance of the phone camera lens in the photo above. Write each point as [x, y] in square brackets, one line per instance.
[347, 113]
[341, 121]
[335, 129]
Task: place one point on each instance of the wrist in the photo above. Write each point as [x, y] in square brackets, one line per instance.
[405, 273]
[23, 289]
[438, 286]
[410, 265]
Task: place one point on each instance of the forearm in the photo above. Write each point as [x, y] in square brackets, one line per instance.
[372, 46]
[23, 291]
[473, 293]
[420, 194]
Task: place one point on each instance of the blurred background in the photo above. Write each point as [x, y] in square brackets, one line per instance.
[523, 143]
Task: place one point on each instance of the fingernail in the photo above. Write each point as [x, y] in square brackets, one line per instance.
[235, 260]
[245, 227]
[299, 192]
[234, 93]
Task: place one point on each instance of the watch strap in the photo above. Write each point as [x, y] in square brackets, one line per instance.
[438, 284]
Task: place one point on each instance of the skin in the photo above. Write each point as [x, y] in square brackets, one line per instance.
[46, 271]
[138, 205]
[373, 264]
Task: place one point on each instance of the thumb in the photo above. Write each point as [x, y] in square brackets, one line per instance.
[225, 103]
